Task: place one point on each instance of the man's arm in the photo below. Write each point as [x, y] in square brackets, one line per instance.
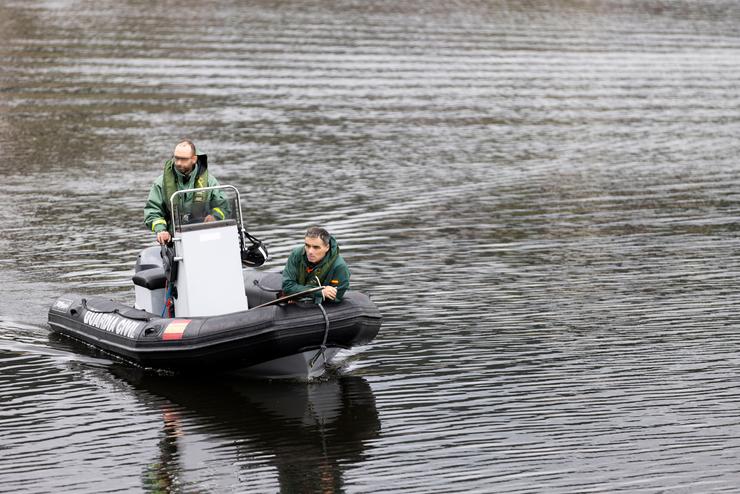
[155, 215]
[341, 276]
[218, 204]
[337, 281]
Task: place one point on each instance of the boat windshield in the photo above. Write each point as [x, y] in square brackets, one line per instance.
[206, 205]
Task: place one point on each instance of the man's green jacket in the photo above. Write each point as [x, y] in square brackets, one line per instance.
[300, 275]
[157, 210]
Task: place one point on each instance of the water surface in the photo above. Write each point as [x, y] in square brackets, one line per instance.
[540, 196]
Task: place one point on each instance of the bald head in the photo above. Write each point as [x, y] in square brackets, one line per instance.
[185, 157]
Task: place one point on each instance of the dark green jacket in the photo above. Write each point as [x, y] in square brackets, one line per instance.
[300, 275]
[157, 209]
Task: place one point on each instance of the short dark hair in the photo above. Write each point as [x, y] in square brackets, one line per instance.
[317, 231]
[189, 143]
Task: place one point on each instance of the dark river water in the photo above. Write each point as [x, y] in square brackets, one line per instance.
[541, 196]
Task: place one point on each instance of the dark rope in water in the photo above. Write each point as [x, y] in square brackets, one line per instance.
[322, 349]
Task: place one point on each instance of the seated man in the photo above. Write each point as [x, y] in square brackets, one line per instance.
[185, 170]
[317, 263]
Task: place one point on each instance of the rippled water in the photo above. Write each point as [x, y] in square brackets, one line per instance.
[541, 197]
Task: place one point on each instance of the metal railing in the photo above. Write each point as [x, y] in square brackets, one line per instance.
[240, 222]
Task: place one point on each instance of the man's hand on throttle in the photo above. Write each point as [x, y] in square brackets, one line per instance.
[163, 237]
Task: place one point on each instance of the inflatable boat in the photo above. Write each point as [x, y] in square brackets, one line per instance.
[202, 306]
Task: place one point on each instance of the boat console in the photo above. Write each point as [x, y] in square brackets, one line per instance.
[201, 271]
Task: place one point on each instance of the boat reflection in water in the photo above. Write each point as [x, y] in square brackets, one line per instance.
[308, 431]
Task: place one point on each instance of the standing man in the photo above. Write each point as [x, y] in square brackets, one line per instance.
[317, 263]
[185, 170]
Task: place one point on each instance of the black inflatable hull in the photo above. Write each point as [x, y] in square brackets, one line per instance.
[226, 342]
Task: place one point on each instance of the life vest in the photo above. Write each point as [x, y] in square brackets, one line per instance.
[169, 186]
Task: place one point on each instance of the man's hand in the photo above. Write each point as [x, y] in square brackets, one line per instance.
[329, 292]
[163, 237]
[209, 218]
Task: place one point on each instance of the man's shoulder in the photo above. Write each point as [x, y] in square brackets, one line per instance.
[158, 181]
[340, 262]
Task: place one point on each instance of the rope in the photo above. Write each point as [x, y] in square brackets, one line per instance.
[83, 302]
[264, 288]
[167, 298]
[322, 349]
